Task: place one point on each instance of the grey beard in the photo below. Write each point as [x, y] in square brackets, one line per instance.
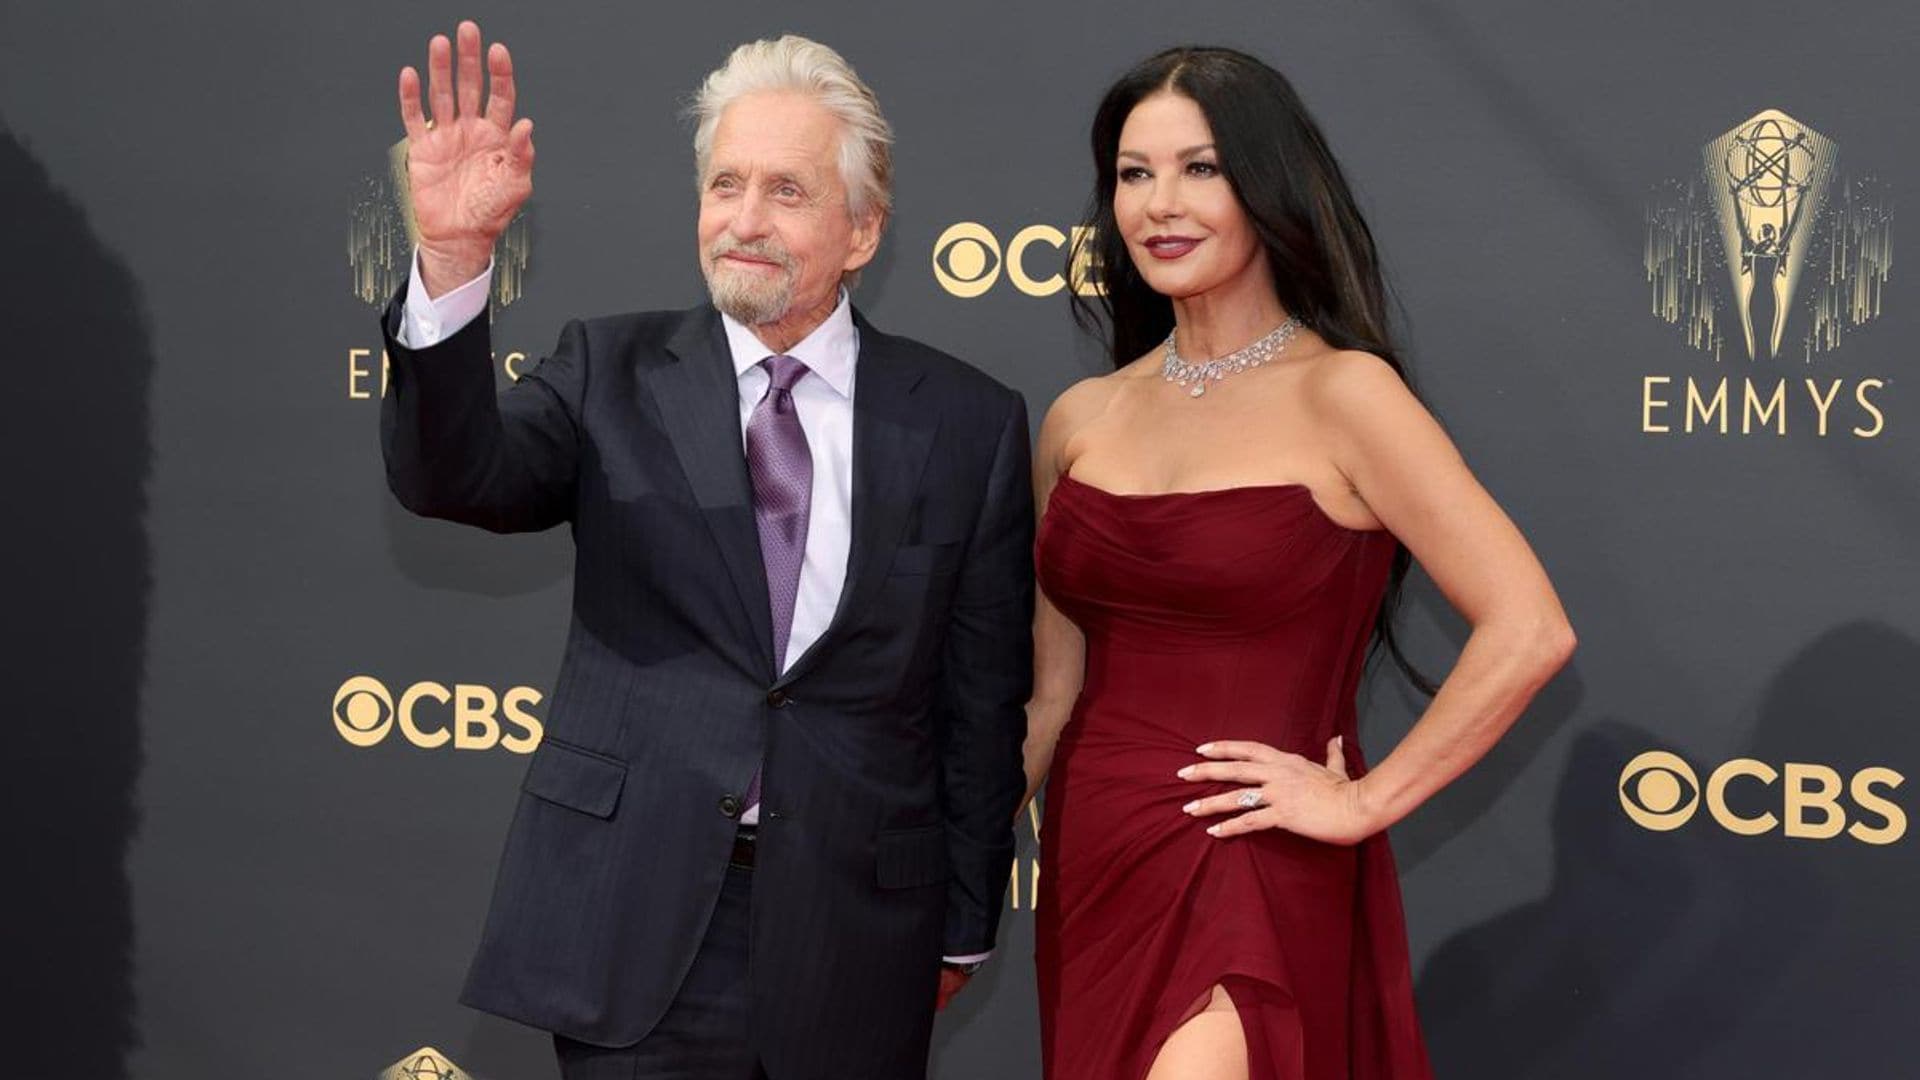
[752, 303]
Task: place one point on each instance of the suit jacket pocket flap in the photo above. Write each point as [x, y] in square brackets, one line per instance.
[576, 778]
[905, 858]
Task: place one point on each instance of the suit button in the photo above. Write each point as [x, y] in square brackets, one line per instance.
[779, 699]
[730, 806]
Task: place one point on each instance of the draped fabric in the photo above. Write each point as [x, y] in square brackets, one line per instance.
[1242, 613]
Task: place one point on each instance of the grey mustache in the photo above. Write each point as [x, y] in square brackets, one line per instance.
[757, 251]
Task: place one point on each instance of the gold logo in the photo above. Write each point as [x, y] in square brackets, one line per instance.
[968, 259]
[381, 234]
[1660, 791]
[1026, 894]
[1728, 249]
[431, 715]
[368, 380]
[1767, 252]
[425, 1063]
[362, 710]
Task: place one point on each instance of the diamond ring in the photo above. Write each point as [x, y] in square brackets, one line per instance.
[1249, 798]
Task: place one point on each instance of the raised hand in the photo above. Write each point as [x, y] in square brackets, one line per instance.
[469, 170]
[1302, 796]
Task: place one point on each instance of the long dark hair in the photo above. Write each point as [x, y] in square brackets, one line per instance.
[1325, 269]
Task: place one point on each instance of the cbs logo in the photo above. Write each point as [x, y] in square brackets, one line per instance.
[1660, 791]
[430, 715]
[968, 259]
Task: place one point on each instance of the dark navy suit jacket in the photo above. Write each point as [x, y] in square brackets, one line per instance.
[891, 748]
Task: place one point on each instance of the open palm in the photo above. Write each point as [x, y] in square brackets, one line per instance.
[469, 170]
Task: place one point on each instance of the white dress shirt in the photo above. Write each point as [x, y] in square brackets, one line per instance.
[823, 397]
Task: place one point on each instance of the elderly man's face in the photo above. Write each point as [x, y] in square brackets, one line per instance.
[775, 233]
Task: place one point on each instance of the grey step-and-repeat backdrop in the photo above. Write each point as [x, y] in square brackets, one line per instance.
[268, 727]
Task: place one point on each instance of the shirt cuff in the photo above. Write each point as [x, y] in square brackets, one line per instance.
[427, 322]
[973, 958]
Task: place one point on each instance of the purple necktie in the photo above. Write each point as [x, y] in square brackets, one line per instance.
[782, 469]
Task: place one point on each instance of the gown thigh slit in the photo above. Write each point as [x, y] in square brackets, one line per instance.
[1194, 1011]
[1243, 613]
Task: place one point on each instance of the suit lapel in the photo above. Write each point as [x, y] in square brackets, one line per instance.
[891, 439]
[699, 401]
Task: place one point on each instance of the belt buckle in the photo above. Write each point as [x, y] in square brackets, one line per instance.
[744, 839]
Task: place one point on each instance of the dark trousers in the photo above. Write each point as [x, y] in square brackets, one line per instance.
[704, 1035]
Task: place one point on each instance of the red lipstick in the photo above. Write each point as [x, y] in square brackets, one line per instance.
[1170, 247]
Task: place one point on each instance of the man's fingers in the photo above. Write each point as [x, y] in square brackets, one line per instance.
[410, 115]
[950, 984]
[440, 79]
[468, 82]
[520, 142]
[500, 88]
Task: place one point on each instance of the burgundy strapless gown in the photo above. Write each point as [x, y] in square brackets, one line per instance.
[1236, 614]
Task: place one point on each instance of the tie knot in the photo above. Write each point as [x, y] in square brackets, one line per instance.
[784, 370]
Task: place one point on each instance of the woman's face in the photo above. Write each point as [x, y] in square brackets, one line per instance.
[1181, 221]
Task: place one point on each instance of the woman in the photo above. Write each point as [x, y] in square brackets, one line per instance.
[1224, 517]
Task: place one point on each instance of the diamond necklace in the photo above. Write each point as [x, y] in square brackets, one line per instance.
[1175, 370]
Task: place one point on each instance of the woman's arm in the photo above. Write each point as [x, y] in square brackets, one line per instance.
[1401, 464]
[1059, 651]
[1407, 471]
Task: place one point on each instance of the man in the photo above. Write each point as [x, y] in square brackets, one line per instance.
[783, 753]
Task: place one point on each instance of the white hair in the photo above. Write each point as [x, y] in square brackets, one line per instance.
[800, 65]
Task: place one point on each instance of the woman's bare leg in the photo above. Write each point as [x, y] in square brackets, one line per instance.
[1209, 1046]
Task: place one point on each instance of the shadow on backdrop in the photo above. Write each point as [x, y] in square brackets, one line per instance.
[1699, 952]
[497, 1049]
[77, 587]
[459, 558]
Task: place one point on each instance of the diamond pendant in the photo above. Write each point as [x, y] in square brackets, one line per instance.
[1175, 370]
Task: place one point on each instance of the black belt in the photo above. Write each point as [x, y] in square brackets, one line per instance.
[743, 842]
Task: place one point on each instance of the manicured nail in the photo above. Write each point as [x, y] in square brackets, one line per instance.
[1192, 806]
[1185, 773]
[1213, 830]
[1204, 748]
